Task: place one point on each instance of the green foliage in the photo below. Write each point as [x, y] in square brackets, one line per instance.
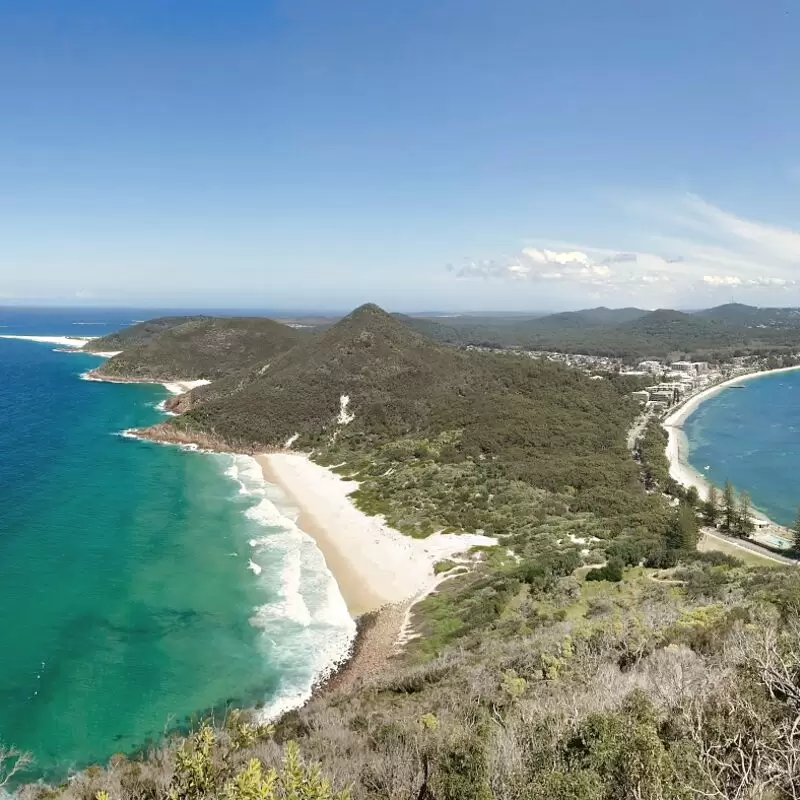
[461, 769]
[203, 771]
[744, 522]
[633, 333]
[189, 348]
[730, 512]
[651, 453]
[610, 572]
[711, 507]
[682, 533]
[513, 685]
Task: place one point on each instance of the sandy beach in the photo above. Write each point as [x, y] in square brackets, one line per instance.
[173, 387]
[678, 445]
[374, 565]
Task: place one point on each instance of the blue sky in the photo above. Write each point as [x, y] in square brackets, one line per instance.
[448, 154]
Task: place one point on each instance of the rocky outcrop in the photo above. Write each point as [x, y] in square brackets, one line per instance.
[172, 434]
[179, 403]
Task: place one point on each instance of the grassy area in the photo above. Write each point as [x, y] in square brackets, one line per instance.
[751, 558]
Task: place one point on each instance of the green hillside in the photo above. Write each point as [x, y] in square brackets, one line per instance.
[632, 333]
[527, 420]
[140, 333]
[193, 348]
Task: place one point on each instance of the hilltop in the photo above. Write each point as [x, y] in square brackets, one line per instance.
[140, 333]
[371, 384]
[193, 348]
[631, 332]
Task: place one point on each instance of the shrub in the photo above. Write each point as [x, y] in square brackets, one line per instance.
[610, 572]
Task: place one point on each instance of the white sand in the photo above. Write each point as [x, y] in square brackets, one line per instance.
[391, 566]
[61, 341]
[678, 446]
[73, 342]
[181, 387]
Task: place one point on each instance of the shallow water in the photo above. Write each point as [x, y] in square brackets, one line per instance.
[751, 437]
[128, 570]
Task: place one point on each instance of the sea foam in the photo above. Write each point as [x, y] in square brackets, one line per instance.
[307, 628]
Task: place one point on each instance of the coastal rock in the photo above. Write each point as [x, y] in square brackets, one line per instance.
[169, 434]
[179, 403]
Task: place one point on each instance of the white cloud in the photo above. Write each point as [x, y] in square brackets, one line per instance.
[554, 257]
[594, 268]
[722, 280]
[689, 244]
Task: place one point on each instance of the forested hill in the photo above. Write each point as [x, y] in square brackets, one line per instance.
[630, 332]
[141, 333]
[193, 348]
[370, 385]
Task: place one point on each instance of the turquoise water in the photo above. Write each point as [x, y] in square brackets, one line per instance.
[751, 437]
[128, 571]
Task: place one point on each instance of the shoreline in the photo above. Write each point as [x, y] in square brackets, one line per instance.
[680, 470]
[381, 573]
[174, 387]
[359, 597]
[375, 566]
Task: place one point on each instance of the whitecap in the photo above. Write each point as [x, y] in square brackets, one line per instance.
[306, 628]
[162, 407]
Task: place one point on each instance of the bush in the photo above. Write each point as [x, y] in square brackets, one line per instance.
[610, 572]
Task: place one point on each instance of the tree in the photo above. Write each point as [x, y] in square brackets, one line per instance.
[711, 507]
[682, 530]
[200, 773]
[744, 522]
[692, 496]
[610, 572]
[729, 511]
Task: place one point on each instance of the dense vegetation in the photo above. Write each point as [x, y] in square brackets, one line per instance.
[139, 333]
[594, 655]
[192, 348]
[632, 333]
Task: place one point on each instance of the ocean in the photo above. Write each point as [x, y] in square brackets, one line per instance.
[141, 586]
[751, 437]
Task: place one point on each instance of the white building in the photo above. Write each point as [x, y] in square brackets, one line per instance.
[682, 366]
[651, 366]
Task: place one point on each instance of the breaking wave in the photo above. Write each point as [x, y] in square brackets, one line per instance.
[307, 630]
